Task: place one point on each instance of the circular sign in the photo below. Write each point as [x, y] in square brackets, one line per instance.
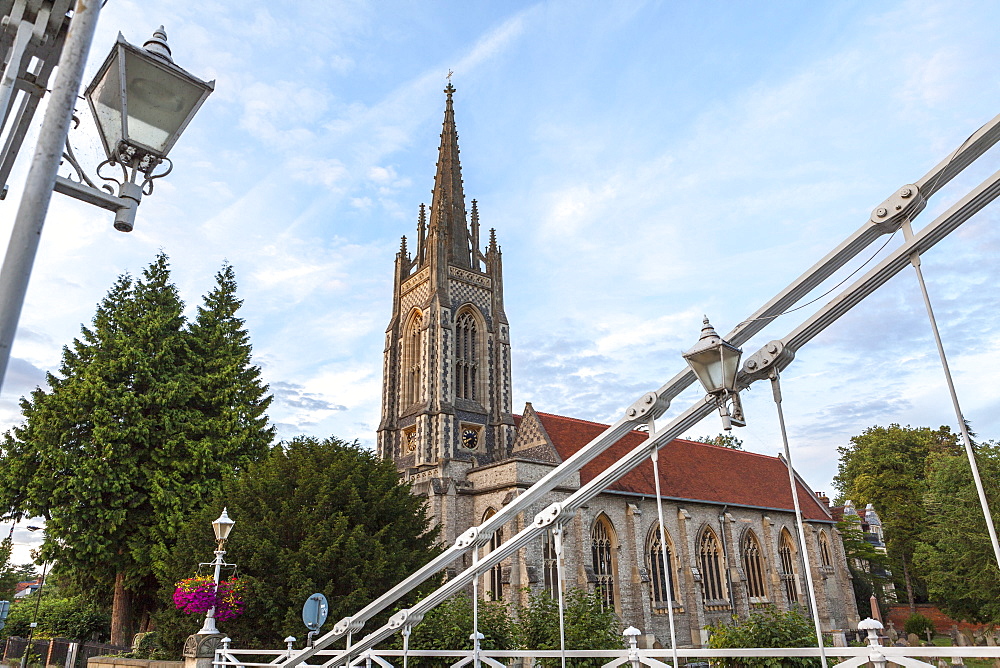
[314, 611]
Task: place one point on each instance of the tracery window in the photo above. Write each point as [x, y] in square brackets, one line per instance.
[467, 356]
[602, 545]
[710, 556]
[824, 550]
[550, 564]
[753, 566]
[663, 585]
[786, 554]
[493, 584]
[412, 349]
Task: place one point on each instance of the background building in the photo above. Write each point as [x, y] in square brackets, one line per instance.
[447, 423]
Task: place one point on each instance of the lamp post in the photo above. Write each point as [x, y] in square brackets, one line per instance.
[141, 102]
[715, 362]
[222, 526]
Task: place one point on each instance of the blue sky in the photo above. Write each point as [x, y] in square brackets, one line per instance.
[643, 163]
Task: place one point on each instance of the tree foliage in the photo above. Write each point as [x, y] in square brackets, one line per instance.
[75, 617]
[588, 625]
[725, 440]
[449, 627]
[312, 516]
[867, 566]
[10, 574]
[534, 626]
[133, 433]
[956, 557]
[765, 628]
[887, 467]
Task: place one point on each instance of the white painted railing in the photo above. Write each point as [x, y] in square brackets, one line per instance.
[839, 657]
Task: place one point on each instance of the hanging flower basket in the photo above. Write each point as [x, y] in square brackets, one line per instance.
[230, 599]
[198, 595]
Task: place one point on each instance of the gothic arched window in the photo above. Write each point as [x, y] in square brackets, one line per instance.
[412, 349]
[824, 550]
[603, 546]
[493, 584]
[710, 558]
[663, 587]
[786, 554]
[550, 564]
[467, 355]
[753, 566]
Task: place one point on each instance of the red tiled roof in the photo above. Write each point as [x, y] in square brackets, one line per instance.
[688, 469]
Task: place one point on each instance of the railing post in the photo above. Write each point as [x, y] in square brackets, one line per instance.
[475, 638]
[875, 655]
[289, 642]
[220, 652]
[632, 634]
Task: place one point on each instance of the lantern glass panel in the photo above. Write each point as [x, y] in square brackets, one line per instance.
[106, 102]
[730, 365]
[223, 526]
[707, 365]
[715, 367]
[159, 102]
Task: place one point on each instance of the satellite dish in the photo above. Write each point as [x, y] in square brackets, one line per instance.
[314, 611]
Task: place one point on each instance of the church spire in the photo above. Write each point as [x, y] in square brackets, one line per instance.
[448, 197]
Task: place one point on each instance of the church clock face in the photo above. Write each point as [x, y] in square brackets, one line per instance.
[470, 438]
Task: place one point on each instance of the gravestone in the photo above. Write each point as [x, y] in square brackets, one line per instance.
[913, 640]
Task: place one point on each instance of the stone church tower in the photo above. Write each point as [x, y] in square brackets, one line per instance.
[446, 393]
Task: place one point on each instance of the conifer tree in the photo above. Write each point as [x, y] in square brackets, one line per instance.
[312, 516]
[118, 450]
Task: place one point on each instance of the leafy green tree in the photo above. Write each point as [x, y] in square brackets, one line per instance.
[76, 618]
[887, 467]
[313, 516]
[449, 626]
[10, 574]
[725, 440]
[121, 447]
[588, 625]
[956, 558]
[765, 628]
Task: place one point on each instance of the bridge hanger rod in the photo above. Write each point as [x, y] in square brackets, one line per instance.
[947, 222]
[965, 154]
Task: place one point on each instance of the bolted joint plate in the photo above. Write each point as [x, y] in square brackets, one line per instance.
[774, 355]
[649, 407]
[347, 625]
[548, 516]
[467, 539]
[405, 617]
[902, 205]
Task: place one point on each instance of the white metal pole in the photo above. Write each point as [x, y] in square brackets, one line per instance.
[41, 179]
[663, 552]
[966, 440]
[475, 609]
[557, 535]
[209, 625]
[21, 39]
[776, 390]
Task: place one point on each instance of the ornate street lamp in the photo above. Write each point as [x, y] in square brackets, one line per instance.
[141, 102]
[715, 362]
[222, 526]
